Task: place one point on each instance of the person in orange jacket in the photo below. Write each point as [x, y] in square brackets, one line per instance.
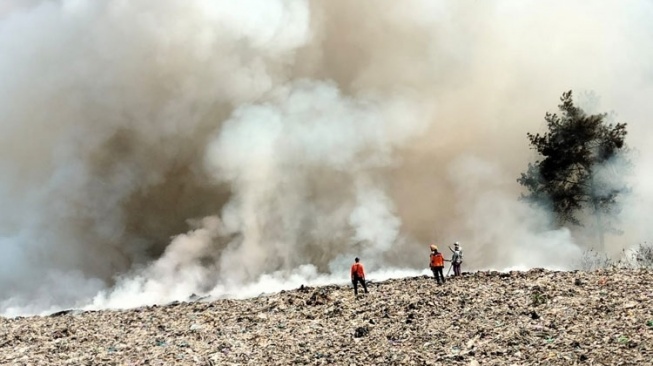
[437, 264]
[358, 275]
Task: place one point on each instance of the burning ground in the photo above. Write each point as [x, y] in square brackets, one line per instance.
[487, 318]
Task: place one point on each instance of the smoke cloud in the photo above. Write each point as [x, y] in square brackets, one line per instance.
[151, 150]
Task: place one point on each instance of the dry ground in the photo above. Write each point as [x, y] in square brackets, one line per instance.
[487, 318]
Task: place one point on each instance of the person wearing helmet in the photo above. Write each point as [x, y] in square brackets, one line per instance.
[456, 258]
[358, 276]
[437, 264]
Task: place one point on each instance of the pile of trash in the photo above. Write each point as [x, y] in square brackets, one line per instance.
[484, 318]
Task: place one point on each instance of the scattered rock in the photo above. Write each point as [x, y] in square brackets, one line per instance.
[61, 313]
[196, 297]
[361, 332]
[578, 282]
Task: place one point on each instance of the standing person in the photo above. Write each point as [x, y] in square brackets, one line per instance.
[437, 264]
[456, 258]
[358, 275]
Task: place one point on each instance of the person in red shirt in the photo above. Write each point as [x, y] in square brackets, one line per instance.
[358, 275]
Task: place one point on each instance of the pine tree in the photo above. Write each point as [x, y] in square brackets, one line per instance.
[579, 167]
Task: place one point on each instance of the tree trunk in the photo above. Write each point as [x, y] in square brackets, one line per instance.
[596, 206]
[600, 230]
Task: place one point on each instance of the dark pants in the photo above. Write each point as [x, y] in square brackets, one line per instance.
[456, 269]
[438, 274]
[355, 282]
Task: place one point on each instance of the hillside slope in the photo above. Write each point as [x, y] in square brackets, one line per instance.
[486, 318]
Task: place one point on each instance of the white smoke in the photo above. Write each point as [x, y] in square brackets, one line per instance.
[507, 232]
[274, 157]
[154, 149]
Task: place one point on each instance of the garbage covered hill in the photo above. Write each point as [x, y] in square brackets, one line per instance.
[484, 318]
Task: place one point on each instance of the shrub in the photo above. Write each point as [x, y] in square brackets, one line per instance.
[591, 260]
[642, 256]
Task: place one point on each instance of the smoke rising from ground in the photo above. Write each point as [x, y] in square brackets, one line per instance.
[154, 149]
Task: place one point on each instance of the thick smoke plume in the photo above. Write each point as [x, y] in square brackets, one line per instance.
[154, 149]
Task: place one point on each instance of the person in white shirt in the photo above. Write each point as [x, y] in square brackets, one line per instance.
[456, 258]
